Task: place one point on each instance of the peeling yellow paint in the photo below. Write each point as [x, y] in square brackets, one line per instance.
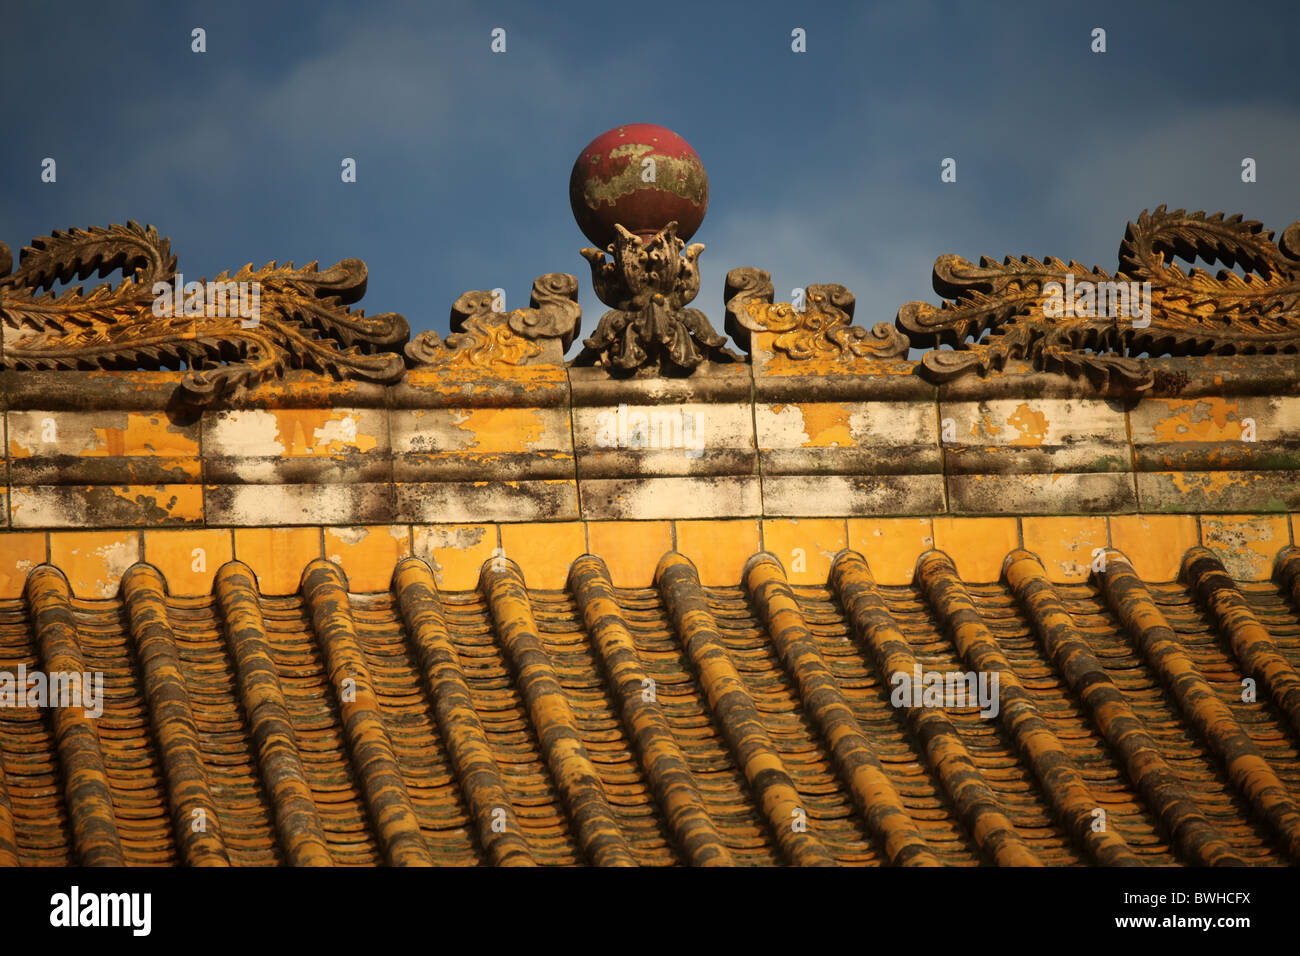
[143, 435]
[827, 425]
[1032, 425]
[1207, 419]
[501, 429]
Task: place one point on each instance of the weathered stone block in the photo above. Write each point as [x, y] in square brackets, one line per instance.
[105, 506]
[466, 444]
[664, 498]
[247, 505]
[838, 495]
[1217, 433]
[106, 446]
[296, 445]
[478, 501]
[1034, 435]
[1211, 491]
[848, 438]
[1043, 494]
[692, 438]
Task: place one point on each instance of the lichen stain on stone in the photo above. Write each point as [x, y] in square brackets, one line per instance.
[1031, 424]
[1205, 419]
[143, 506]
[1246, 546]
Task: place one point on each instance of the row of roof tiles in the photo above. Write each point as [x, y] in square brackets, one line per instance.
[94, 561]
[676, 723]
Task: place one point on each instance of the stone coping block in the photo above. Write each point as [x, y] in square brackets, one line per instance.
[550, 443]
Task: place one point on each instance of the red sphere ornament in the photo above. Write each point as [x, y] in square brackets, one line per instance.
[642, 177]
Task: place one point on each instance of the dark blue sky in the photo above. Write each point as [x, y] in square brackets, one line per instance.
[823, 166]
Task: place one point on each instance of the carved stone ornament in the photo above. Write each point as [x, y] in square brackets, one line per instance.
[823, 328]
[231, 333]
[1086, 322]
[649, 329]
[487, 339]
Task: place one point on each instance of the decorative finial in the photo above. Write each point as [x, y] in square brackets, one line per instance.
[638, 192]
[641, 177]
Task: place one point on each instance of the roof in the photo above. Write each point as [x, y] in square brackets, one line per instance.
[357, 597]
[666, 724]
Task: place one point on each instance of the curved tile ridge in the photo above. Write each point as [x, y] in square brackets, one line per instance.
[976, 803]
[664, 763]
[731, 704]
[1071, 798]
[1249, 772]
[1286, 572]
[297, 821]
[85, 783]
[458, 723]
[575, 777]
[1187, 826]
[196, 822]
[1251, 642]
[820, 695]
[324, 589]
[8, 839]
